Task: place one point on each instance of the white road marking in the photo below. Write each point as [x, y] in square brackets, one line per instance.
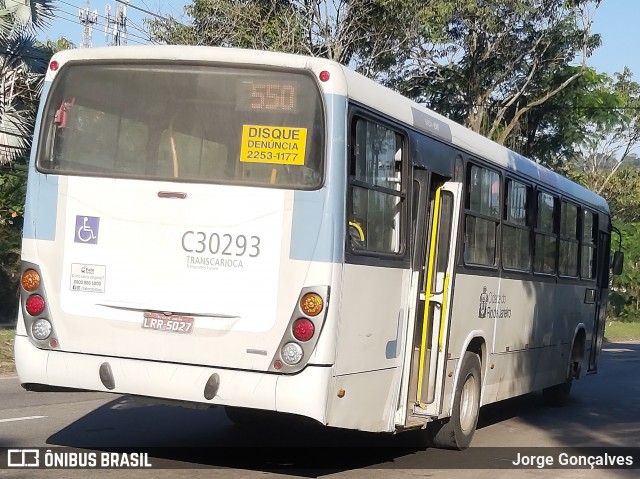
[9, 377]
[26, 418]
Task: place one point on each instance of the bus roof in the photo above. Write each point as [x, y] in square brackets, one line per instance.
[364, 91]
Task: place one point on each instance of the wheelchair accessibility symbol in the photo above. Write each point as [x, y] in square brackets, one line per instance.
[87, 229]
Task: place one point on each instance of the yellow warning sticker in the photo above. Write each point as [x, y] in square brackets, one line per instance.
[273, 144]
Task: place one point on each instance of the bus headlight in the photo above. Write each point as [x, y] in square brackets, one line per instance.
[41, 329]
[291, 353]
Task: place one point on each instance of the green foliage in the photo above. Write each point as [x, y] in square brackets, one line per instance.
[368, 35]
[555, 131]
[23, 62]
[489, 64]
[622, 331]
[12, 191]
[625, 291]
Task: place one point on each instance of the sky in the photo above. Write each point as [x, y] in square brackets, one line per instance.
[617, 21]
[68, 25]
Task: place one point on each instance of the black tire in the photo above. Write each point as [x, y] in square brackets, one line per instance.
[558, 395]
[457, 431]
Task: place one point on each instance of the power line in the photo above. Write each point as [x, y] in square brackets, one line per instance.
[74, 21]
[99, 15]
[142, 10]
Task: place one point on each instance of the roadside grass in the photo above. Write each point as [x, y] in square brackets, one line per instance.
[7, 366]
[619, 331]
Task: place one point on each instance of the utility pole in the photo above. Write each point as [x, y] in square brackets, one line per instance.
[116, 27]
[87, 19]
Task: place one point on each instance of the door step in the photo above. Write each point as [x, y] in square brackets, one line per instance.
[413, 423]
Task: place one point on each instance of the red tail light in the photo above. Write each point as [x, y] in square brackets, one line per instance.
[303, 329]
[34, 304]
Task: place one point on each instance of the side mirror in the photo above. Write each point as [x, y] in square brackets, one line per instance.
[618, 262]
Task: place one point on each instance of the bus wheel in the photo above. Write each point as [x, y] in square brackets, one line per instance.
[457, 431]
[558, 395]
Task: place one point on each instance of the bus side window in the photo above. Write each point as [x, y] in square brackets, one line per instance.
[546, 234]
[516, 234]
[376, 198]
[482, 216]
[588, 245]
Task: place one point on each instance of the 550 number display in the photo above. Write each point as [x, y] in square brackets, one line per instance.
[223, 244]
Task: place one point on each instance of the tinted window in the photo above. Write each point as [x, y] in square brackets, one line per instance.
[377, 200]
[482, 216]
[185, 123]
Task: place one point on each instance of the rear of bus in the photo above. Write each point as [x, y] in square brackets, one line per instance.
[181, 239]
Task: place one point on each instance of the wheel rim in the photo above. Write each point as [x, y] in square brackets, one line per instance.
[468, 404]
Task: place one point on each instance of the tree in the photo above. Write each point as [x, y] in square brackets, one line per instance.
[488, 64]
[625, 295]
[55, 46]
[22, 66]
[607, 146]
[364, 34]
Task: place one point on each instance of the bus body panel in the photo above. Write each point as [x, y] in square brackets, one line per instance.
[365, 401]
[527, 345]
[161, 263]
[371, 329]
[371, 337]
[304, 393]
[156, 254]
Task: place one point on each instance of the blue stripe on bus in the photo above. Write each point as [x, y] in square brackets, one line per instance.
[317, 230]
[42, 193]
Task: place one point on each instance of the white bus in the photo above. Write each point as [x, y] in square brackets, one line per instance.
[271, 232]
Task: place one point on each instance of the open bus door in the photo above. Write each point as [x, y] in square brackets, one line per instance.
[602, 288]
[438, 214]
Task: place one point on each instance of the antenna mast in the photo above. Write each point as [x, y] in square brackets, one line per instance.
[116, 27]
[87, 19]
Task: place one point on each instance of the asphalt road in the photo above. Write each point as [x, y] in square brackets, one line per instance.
[604, 412]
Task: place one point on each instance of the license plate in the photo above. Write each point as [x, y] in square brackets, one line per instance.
[167, 322]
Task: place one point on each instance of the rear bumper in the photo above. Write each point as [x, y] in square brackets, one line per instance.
[304, 393]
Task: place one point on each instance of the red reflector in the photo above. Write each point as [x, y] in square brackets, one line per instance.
[53, 343]
[277, 364]
[34, 304]
[303, 329]
[54, 65]
[324, 75]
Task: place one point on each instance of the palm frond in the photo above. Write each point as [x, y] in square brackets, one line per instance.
[20, 52]
[33, 14]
